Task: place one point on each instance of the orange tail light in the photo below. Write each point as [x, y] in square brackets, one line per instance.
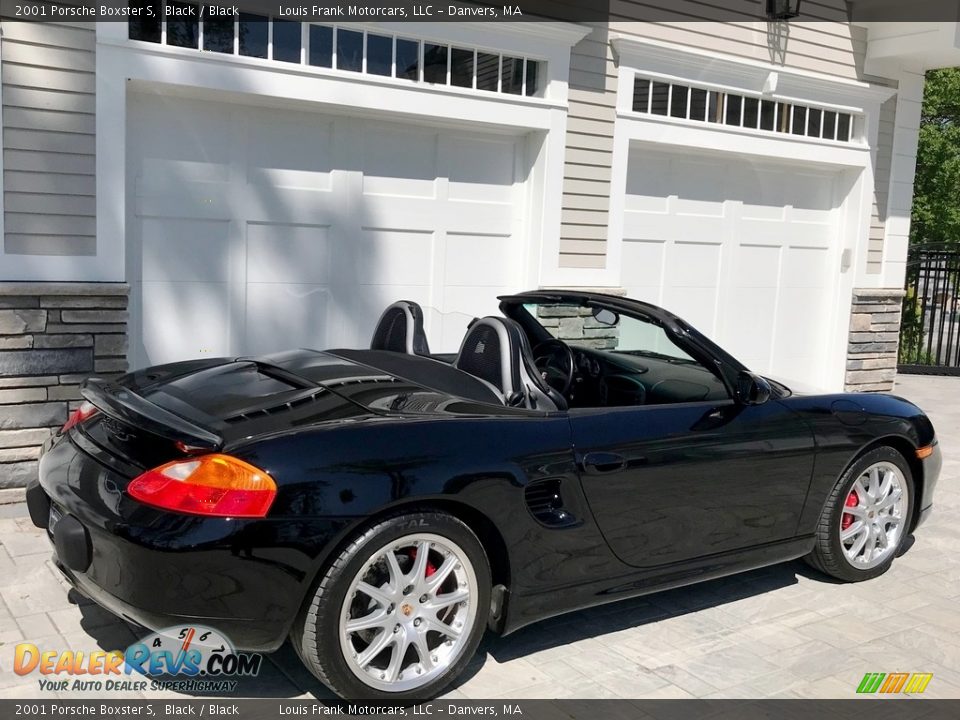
[213, 485]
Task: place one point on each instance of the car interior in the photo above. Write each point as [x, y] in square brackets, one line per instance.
[523, 363]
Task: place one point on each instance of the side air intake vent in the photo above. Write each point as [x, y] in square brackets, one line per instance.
[546, 504]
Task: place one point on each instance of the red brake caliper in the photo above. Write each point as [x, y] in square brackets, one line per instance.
[430, 570]
[852, 501]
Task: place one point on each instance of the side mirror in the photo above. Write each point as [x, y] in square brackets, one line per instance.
[606, 317]
[752, 389]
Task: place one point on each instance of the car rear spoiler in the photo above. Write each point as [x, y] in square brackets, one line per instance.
[123, 404]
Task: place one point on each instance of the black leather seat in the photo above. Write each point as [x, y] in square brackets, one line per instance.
[400, 329]
[496, 351]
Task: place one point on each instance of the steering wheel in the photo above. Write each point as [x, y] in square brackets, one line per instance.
[554, 359]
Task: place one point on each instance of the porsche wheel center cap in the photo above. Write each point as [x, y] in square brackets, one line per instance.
[406, 609]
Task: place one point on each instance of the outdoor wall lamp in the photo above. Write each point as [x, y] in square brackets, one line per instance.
[782, 9]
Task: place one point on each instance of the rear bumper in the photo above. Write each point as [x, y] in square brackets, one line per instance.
[243, 577]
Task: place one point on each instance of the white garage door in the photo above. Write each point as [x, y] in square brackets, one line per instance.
[745, 250]
[252, 230]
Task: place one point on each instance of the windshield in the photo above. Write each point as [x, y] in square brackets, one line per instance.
[602, 329]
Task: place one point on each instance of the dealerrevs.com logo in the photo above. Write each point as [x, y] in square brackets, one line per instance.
[190, 658]
[898, 682]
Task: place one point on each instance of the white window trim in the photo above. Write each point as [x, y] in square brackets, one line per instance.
[367, 29]
[122, 63]
[698, 67]
[855, 118]
[735, 74]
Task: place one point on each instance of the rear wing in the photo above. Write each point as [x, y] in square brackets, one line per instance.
[121, 403]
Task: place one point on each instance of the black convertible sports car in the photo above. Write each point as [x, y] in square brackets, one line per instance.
[382, 508]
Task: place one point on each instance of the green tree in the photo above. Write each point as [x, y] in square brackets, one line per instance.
[936, 194]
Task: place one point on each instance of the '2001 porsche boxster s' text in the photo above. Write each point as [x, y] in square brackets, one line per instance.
[383, 507]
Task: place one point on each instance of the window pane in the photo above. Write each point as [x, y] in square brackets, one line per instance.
[144, 27]
[408, 59]
[641, 94]
[488, 71]
[253, 35]
[625, 334]
[461, 67]
[218, 35]
[661, 91]
[511, 76]
[678, 103]
[783, 117]
[698, 104]
[813, 122]
[533, 77]
[183, 29]
[716, 106]
[734, 103]
[435, 63]
[829, 125]
[321, 46]
[799, 119]
[843, 131]
[349, 50]
[766, 114]
[286, 40]
[751, 112]
[379, 54]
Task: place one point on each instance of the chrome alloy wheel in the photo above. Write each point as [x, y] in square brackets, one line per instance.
[408, 613]
[873, 515]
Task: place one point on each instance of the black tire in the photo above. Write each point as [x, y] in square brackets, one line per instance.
[315, 634]
[828, 556]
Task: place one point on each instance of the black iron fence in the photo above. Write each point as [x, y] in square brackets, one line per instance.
[930, 326]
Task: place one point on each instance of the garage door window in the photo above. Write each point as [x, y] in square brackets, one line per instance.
[321, 46]
[340, 48]
[685, 102]
[350, 50]
[379, 55]
[183, 31]
[286, 41]
[218, 36]
[254, 36]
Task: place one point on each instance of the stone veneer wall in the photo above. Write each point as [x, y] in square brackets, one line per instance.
[52, 336]
[569, 323]
[566, 323]
[874, 340]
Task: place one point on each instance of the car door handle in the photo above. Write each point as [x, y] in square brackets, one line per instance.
[596, 463]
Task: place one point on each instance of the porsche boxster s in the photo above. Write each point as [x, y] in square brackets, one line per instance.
[382, 508]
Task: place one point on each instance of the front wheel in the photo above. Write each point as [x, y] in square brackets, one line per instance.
[866, 518]
[400, 612]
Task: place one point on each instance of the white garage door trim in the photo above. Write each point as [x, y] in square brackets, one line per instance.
[698, 68]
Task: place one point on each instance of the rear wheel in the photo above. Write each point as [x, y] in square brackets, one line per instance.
[866, 518]
[400, 612]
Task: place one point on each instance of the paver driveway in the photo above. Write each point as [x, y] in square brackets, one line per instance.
[782, 631]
